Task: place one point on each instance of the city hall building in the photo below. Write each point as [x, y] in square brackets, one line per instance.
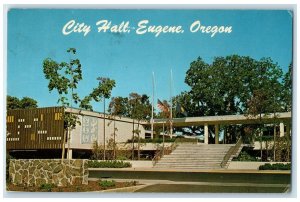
[42, 130]
[39, 132]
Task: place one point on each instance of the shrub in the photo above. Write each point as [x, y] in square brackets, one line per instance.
[122, 158]
[47, 187]
[264, 138]
[107, 183]
[244, 156]
[108, 164]
[276, 166]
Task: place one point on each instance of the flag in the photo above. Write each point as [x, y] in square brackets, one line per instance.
[162, 106]
[181, 110]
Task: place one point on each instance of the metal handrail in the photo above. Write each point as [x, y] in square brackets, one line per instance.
[233, 150]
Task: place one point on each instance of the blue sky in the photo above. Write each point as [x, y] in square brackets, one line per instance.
[130, 59]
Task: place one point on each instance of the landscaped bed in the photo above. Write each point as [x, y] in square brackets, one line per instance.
[91, 186]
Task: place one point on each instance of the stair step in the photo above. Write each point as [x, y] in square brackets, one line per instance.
[191, 159]
[188, 165]
[213, 167]
[195, 156]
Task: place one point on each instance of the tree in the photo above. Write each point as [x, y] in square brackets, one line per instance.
[266, 96]
[230, 84]
[24, 103]
[225, 86]
[102, 92]
[12, 102]
[141, 110]
[287, 89]
[134, 106]
[85, 103]
[27, 103]
[64, 78]
[118, 106]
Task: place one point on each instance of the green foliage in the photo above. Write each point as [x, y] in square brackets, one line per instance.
[228, 84]
[276, 166]
[283, 147]
[64, 77]
[186, 99]
[108, 164]
[136, 106]
[103, 90]
[244, 156]
[123, 157]
[107, 183]
[140, 106]
[27, 102]
[119, 106]
[85, 103]
[12, 102]
[97, 151]
[24, 103]
[70, 120]
[47, 187]
[124, 154]
[235, 85]
[264, 138]
[287, 90]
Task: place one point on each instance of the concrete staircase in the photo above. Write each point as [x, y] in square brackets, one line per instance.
[195, 156]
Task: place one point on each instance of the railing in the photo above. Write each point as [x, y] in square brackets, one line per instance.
[233, 150]
[164, 151]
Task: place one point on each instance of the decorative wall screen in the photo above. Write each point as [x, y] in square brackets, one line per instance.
[89, 132]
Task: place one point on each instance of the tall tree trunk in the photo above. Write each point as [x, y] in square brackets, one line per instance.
[261, 150]
[69, 138]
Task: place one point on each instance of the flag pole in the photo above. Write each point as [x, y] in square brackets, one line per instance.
[152, 112]
[171, 107]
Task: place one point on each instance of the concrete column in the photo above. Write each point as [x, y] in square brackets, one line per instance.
[281, 129]
[69, 154]
[217, 134]
[206, 133]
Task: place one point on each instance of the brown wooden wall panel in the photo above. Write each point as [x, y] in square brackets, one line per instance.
[34, 128]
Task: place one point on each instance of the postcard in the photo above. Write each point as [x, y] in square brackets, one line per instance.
[149, 100]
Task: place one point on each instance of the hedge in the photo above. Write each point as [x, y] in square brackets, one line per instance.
[108, 164]
[276, 166]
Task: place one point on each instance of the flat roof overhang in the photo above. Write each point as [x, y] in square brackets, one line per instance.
[227, 120]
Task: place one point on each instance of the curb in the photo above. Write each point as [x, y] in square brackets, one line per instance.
[126, 189]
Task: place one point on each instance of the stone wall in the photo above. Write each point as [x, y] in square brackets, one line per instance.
[35, 172]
